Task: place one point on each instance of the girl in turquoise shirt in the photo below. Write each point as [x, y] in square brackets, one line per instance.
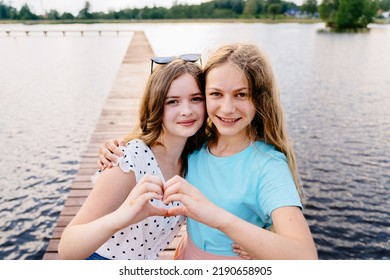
[245, 177]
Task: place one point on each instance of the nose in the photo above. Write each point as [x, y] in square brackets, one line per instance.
[186, 109]
[227, 105]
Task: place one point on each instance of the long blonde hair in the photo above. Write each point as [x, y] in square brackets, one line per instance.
[150, 127]
[268, 124]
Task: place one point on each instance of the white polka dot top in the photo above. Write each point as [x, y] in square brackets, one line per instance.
[146, 239]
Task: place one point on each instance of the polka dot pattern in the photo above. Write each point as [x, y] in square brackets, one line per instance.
[146, 239]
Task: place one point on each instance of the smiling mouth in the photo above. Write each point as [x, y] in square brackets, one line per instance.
[187, 123]
[228, 121]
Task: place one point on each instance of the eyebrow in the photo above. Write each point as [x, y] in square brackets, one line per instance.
[218, 89]
[174, 96]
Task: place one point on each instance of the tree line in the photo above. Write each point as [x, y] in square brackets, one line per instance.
[216, 9]
[339, 14]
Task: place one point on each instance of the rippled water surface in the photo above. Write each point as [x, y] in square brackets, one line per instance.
[51, 93]
[335, 89]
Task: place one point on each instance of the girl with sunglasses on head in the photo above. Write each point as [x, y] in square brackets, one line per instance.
[244, 179]
[123, 217]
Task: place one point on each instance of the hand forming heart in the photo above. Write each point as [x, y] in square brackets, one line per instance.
[174, 197]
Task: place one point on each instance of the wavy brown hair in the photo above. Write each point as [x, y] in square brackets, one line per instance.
[268, 124]
[150, 126]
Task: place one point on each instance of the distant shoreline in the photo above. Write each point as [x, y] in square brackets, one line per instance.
[94, 21]
[197, 21]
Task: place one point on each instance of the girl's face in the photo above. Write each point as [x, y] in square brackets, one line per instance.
[228, 102]
[184, 108]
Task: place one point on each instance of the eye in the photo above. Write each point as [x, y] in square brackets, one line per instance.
[214, 93]
[197, 99]
[171, 101]
[242, 95]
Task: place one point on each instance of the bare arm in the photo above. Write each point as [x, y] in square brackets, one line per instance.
[114, 203]
[291, 238]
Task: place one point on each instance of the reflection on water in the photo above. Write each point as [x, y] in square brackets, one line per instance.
[335, 88]
[51, 93]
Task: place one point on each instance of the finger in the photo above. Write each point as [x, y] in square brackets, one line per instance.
[174, 180]
[172, 189]
[159, 212]
[151, 187]
[240, 249]
[110, 156]
[176, 211]
[104, 161]
[120, 142]
[148, 183]
[112, 146]
[246, 257]
[179, 186]
[154, 179]
[241, 252]
[183, 198]
[144, 188]
[106, 156]
[116, 151]
[146, 197]
[237, 247]
[100, 164]
[143, 199]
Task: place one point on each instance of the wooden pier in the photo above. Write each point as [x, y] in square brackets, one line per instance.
[118, 116]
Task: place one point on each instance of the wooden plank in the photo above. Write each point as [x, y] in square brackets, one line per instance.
[118, 116]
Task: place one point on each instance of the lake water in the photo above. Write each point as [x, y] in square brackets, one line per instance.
[335, 89]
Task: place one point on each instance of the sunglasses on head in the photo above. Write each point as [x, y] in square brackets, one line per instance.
[193, 57]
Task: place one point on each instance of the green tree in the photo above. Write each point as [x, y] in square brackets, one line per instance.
[261, 6]
[4, 11]
[154, 13]
[206, 9]
[274, 9]
[224, 13]
[67, 16]
[309, 6]
[26, 14]
[85, 13]
[348, 14]
[288, 6]
[384, 5]
[238, 6]
[53, 15]
[123, 14]
[250, 9]
[253, 8]
[327, 11]
[227, 8]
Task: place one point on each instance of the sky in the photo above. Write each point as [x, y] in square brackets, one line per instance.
[74, 6]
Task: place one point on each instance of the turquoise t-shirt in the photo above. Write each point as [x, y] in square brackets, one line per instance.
[250, 184]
